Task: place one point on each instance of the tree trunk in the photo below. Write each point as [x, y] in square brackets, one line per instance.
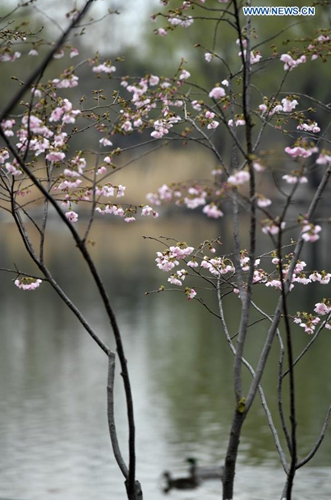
[231, 455]
[134, 493]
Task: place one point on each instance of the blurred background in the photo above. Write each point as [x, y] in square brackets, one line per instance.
[54, 438]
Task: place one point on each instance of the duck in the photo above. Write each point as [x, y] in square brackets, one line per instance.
[204, 472]
[181, 483]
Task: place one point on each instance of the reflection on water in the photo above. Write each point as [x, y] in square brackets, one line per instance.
[53, 431]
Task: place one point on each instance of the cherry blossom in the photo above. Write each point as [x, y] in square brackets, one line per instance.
[184, 75]
[298, 151]
[73, 53]
[291, 63]
[238, 178]
[7, 56]
[217, 93]
[289, 104]
[238, 122]
[193, 263]
[7, 126]
[71, 216]
[66, 82]
[105, 142]
[294, 179]
[196, 105]
[309, 231]
[27, 283]
[323, 159]
[12, 168]
[104, 68]
[263, 202]
[255, 56]
[153, 80]
[213, 124]
[270, 227]
[4, 155]
[55, 156]
[212, 211]
[309, 127]
[161, 32]
[322, 308]
[190, 293]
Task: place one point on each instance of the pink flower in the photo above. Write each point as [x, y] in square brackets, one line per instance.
[325, 278]
[323, 159]
[12, 169]
[153, 80]
[263, 202]
[294, 179]
[101, 170]
[238, 178]
[129, 219]
[289, 104]
[184, 75]
[27, 283]
[4, 155]
[104, 68]
[146, 210]
[165, 262]
[174, 281]
[255, 56]
[73, 53]
[309, 232]
[212, 125]
[298, 151]
[55, 156]
[271, 228]
[212, 211]
[208, 56]
[127, 126]
[157, 134]
[67, 82]
[239, 122]
[217, 93]
[274, 284]
[180, 252]
[312, 127]
[263, 108]
[191, 293]
[7, 56]
[71, 216]
[321, 308]
[290, 63]
[106, 190]
[69, 184]
[120, 191]
[105, 142]
[301, 279]
[196, 105]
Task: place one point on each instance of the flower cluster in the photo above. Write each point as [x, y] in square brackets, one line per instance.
[224, 271]
[291, 63]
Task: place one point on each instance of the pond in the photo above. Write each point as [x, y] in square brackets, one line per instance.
[54, 437]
